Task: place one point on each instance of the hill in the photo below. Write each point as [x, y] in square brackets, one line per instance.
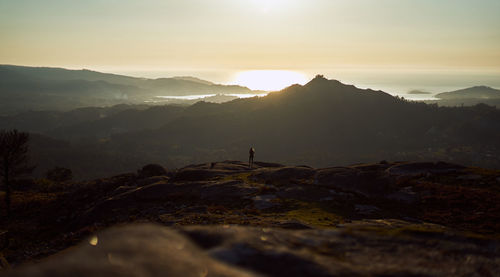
[321, 123]
[193, 79]
[40, 88]
[468, 97]
[478, 92]
[223, 217]
[418, 92]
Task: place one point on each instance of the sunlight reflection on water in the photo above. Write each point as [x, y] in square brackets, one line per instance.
[187, 97]
[248, 95]
[201, 96]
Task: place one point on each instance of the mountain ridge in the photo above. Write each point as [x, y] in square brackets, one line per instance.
[320, 123]
[483, 92]
[60, 73]
[25, 88]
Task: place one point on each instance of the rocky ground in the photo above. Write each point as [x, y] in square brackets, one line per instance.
[224, 219]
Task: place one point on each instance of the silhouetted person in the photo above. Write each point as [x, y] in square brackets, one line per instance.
[251, 153]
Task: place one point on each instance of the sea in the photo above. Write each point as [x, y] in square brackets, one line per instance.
[397, 82]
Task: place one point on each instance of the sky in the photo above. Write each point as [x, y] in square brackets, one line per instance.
[357, 40]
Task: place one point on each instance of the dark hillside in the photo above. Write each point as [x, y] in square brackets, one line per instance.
[321, 123]
[25, 88]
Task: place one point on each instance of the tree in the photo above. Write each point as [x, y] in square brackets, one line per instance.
[13, 160]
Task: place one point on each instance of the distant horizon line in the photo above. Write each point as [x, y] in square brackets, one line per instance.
[191, 73]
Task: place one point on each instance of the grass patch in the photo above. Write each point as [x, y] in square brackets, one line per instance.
[244, 177]
[312, 214]
[398, 230]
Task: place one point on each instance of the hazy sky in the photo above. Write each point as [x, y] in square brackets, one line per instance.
[228, 36]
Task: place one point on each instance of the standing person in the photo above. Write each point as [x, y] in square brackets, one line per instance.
[251, 153]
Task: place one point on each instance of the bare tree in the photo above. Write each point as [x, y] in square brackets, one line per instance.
[13, 160]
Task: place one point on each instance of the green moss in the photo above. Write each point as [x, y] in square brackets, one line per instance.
[244, 177]
[381, 227]
[312, 214]
[424, 229]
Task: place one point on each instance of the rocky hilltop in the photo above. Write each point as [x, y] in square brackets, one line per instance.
[224, 219]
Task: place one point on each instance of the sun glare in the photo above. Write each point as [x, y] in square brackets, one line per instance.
[269, 80]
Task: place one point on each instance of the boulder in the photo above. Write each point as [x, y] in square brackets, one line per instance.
[152, 180]
[230, 192]
[283, 174]
[267, 164]
[121, 189]
[262, 202]
[366, 183]
[193, 174]
[224, 165]
[151, 170]
[405, 195]
[137, 250]
[420, 168]
[366, 209]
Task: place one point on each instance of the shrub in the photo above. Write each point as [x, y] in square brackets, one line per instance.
[59, 174]
[151, 170]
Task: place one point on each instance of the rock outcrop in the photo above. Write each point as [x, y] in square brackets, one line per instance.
[225, 219]
[367, 248]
